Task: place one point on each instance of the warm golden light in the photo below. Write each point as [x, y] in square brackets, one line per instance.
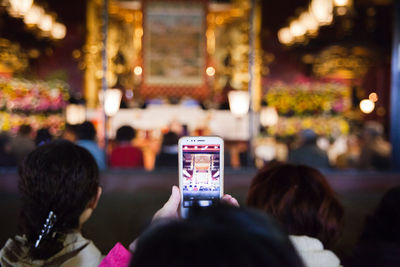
[322, 11]
[284, 36]
[139, 32]
[268, 116]
[297, 29]
[76, 54]
[373, 97]
[34, 15]
[58, 31]
[219, 20]
[367, 106]
[210, 71]
[75, 114]
[309, 22]
[342, 2]
[341, 11]
[46, 23]
[20, 7]
[138, 70]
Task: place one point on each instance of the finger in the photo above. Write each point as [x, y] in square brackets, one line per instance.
[228, 199]
[234, 202]
[132, 246]
[170, 208]
[174, 199]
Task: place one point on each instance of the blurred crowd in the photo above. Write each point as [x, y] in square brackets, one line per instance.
[367, 149]
[132, 149]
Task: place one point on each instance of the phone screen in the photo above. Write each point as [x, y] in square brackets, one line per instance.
[201, 175]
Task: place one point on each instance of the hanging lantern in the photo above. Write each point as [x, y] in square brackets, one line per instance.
[33, 16]
[343, 3]
[19, 8]
[284, 36]
[45, 23]
[239, 102]
[309, 22]
[58, 31]
[297, 29]
[112, 101]
[322, 10]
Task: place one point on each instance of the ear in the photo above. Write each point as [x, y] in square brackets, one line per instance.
[93, 203]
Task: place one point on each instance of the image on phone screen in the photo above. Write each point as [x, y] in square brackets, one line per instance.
[200, 175]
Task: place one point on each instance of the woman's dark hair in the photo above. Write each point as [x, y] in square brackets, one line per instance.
[125, 133]
[25, 129]
[86, 131]
[216, 236]
[60, 177]
[43, 136]
[170, 139]
[300, 198]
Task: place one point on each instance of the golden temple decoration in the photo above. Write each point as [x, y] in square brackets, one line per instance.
[227, 42]
[342, 62]
[92, 51]
[12, 58]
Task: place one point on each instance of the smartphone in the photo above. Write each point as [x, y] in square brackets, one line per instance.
[201, 171]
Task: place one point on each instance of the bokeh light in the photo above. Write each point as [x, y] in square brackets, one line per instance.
[367, 106]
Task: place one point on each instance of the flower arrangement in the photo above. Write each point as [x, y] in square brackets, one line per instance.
[319, 106]
[37, 103]
[12, 121]
[322, 125]
[312, 98]
[19, 95]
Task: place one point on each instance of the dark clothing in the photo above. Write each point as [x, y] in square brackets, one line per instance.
[310, 155]
[7, 160]
[375, 253]
[166, 160]
[21, 146]
[370, 158]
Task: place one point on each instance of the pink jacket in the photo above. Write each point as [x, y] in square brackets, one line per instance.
[118, 256]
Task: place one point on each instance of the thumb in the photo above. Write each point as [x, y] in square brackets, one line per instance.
[174, 199]
[171, 207]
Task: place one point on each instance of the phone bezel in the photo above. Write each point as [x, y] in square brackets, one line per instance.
[199, 140]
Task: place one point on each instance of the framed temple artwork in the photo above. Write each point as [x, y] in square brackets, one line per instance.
[174, 55]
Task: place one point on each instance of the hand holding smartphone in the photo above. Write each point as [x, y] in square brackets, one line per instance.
[201, 169]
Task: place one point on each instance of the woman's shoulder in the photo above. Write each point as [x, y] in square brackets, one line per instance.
[83, 253]
[14, 252]
[77, 251]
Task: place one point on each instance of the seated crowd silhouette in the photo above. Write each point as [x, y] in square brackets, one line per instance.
[137, 149]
